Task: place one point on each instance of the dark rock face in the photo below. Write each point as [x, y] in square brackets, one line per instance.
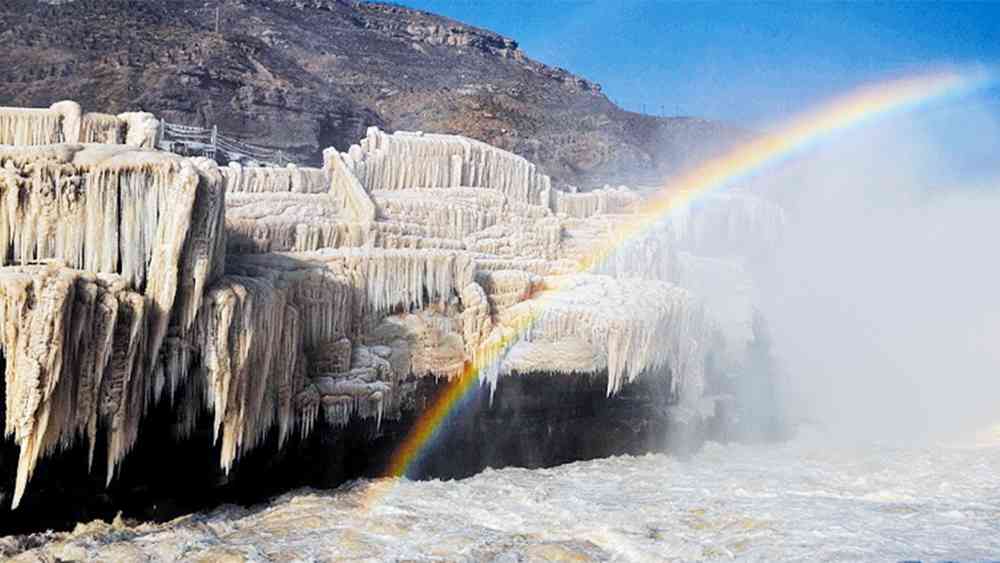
[535, 420]
[301, 75]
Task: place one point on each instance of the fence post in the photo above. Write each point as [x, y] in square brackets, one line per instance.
[158, 144]
[215, 141]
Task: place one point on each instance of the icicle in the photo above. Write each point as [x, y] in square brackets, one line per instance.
[259, 179]
[634, 326]
[63, 360]
[19, 126]
[102, 128]
[406, 160]
[598, 202]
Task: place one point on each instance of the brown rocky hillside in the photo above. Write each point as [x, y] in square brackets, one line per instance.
[300, 75]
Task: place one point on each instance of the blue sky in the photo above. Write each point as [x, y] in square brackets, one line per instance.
[751, 62]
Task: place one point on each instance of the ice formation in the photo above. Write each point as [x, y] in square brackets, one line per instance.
[604, 201]
[64, 122]
[73, 344]
[23, 126]
[406, 160]
[274, 297]
[111, 222]
[292, 178]
[102, 128]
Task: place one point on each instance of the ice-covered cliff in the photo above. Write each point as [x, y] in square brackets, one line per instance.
[284, 302]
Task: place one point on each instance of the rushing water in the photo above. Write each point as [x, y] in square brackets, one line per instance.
[802, 500]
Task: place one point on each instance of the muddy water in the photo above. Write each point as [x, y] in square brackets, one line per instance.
[806, 500]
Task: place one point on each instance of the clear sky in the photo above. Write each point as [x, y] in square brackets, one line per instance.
[747, 62]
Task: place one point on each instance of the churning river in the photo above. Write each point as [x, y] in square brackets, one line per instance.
[806, 500]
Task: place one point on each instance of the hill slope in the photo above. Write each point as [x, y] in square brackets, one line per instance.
[301, 75]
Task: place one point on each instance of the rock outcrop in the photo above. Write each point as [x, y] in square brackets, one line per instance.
[285, 302]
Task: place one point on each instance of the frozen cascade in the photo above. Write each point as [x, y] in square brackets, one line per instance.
[20, 126]
[365, 390]
[405, 160]
[390, 279]
[65, 122]
[273, 296]
[102, 128]
[76, 206]
[73, 346]
[631, 326]
[258, 179]
[283, 221]
[604, 201]
[448, 213]
[248, 387]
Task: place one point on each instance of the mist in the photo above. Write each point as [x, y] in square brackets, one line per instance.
[883, 297]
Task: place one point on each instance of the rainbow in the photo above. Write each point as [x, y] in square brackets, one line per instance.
[843, 113]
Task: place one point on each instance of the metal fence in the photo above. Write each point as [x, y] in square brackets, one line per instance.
[198, 141]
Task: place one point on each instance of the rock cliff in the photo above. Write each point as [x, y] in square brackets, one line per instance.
[301, 76]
